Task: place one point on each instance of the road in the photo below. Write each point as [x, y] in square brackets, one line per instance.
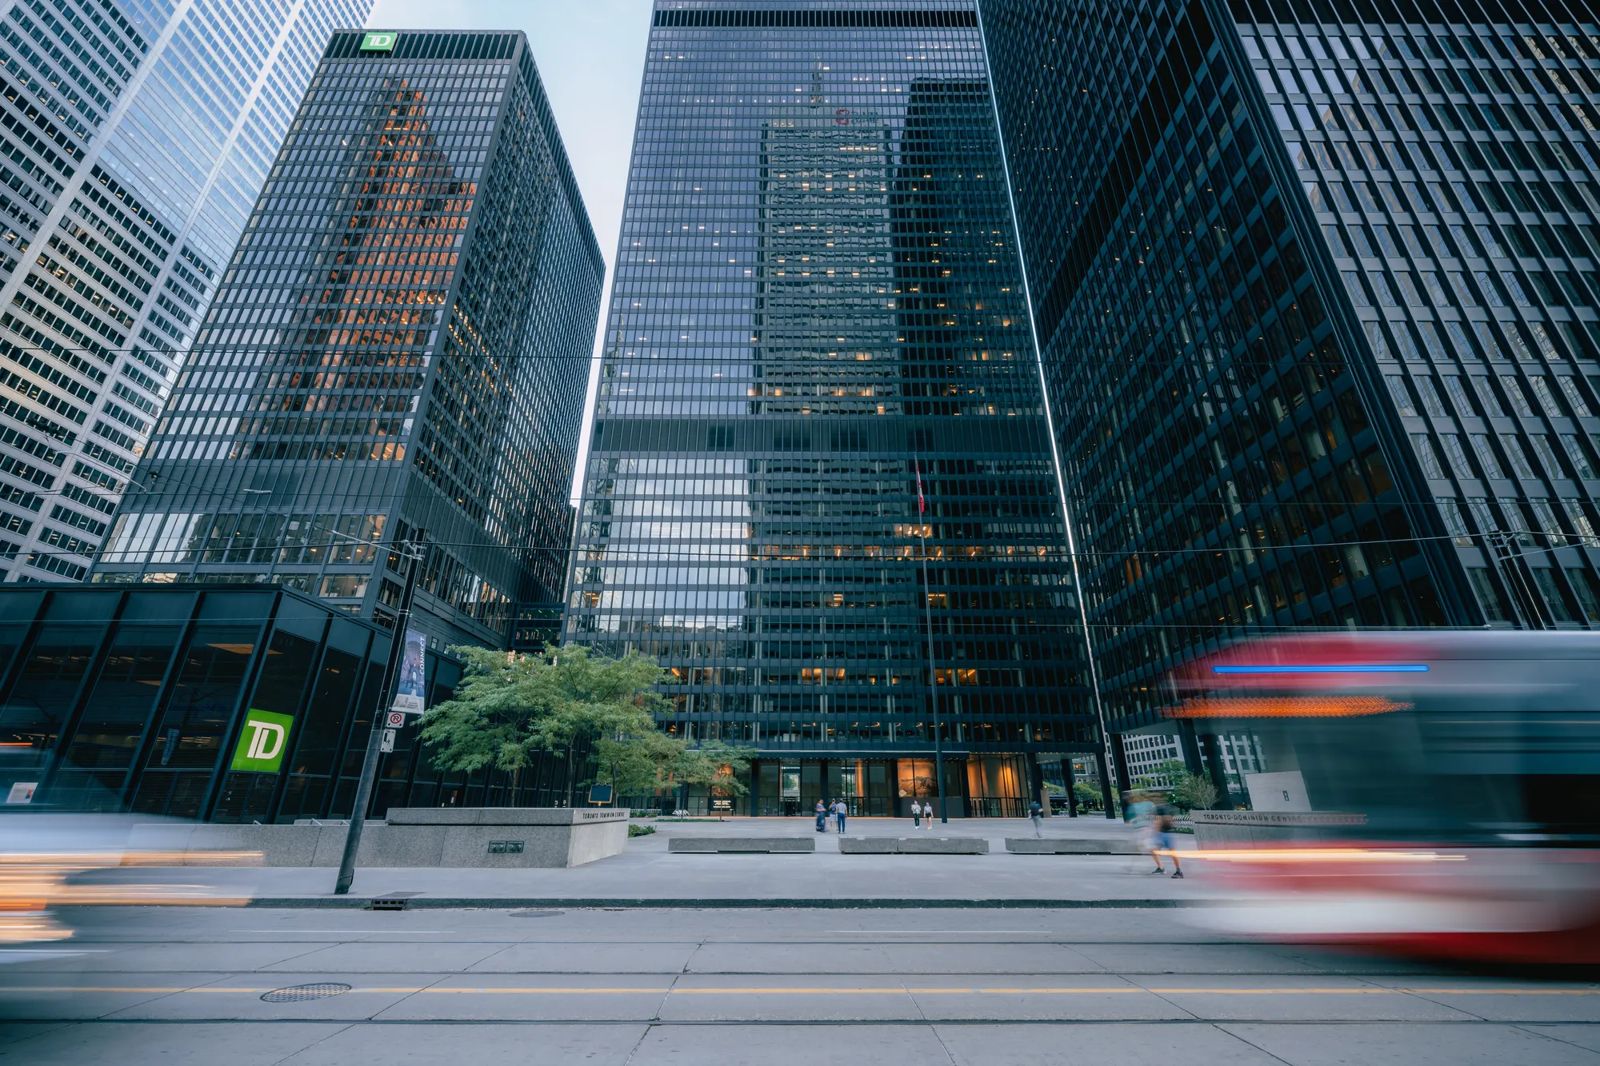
[647, 986]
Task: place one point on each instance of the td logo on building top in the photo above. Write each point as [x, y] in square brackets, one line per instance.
[262, 742]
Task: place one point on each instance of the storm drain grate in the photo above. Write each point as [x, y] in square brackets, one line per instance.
[304, 993]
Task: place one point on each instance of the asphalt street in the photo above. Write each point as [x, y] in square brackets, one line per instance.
[648, 986]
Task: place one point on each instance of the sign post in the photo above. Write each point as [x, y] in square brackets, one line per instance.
[411, 551]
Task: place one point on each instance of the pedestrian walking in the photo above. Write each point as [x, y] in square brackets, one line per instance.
[1138, 812]
[1036, 816]
[1161, 842]
[822, 817]
[927, 815]
[841, 810]
[916, 815]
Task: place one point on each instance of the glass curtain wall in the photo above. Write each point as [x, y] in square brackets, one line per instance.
[817, 372]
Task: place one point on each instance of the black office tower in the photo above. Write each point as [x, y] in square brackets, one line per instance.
[1315, 290]
[397, 353]
[818, 367]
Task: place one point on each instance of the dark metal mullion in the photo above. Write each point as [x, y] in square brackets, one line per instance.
[80, 700]
[152, 725]
[302, 712]
[352, 711]
[235, 726]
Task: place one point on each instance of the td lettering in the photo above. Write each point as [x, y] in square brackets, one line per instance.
[263, 741]
[266, 740]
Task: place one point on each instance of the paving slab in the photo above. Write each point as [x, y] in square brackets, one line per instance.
[762, 1045]
[1286, 997]
[1193, 958]
[569, 957]
[1410, 1045]
[1111, 1043]
[179, 958]
[237, 997]
[771, 958]
[368, 956]
[1505, 1000]
[484, 1044]
[985, 998]
[806, 998]
[741, 845]
[1584, 1036]
[1072, 846]
[17, 1032]
[535, 997]
[823, 879]
[1019, 959]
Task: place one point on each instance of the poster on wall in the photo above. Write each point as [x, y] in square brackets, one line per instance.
[408, 694]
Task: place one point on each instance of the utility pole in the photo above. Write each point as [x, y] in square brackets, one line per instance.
[411, 550]
[933, 672]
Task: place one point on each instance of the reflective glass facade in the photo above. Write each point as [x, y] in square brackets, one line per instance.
[135, 699]
[397, 351]
[136, 136]
[817, 300]
[1314, 286]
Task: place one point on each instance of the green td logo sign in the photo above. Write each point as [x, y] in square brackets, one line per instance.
[379, 41]
[262, 744]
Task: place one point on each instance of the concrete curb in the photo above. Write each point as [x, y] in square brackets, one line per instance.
[602, 903]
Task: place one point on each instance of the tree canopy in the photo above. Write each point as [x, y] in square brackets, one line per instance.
[508, 708]
[1187, 791]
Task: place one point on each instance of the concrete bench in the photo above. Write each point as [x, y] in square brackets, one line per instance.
[1071, 846]
[913, 845]
[740, 845]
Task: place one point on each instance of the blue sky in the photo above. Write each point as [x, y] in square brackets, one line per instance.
[590, 55]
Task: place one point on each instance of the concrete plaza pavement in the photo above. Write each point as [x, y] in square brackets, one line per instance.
[646, 874]
[641, 987]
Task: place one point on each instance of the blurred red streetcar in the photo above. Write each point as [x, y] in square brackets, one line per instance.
[1454, 785]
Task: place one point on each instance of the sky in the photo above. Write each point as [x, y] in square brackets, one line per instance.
[590, 55]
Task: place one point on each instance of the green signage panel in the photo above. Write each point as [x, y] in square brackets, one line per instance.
[379, 41]
[263, 742]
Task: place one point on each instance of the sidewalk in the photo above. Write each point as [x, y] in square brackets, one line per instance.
[645, 875]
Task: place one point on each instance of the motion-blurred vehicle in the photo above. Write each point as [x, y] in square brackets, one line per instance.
[51, 860]
[1453, 786]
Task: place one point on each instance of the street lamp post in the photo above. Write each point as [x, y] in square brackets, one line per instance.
[369, 765]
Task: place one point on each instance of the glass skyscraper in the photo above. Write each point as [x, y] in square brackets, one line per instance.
[397, 353]
[818, 367]
[1315, 288]
[136, 136]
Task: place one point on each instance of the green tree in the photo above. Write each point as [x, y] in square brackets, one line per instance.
[1164, 776]
[1186, 791]
[637, 765]
[1194, 792]
[716, 767]
[1089, 798]
[508, 708]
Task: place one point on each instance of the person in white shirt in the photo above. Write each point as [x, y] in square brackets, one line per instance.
[927, 815]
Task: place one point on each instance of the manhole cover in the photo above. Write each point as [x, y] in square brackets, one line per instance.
[535, 914]
[302, 993]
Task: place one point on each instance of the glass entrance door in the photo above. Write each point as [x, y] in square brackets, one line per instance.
[789, 783]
